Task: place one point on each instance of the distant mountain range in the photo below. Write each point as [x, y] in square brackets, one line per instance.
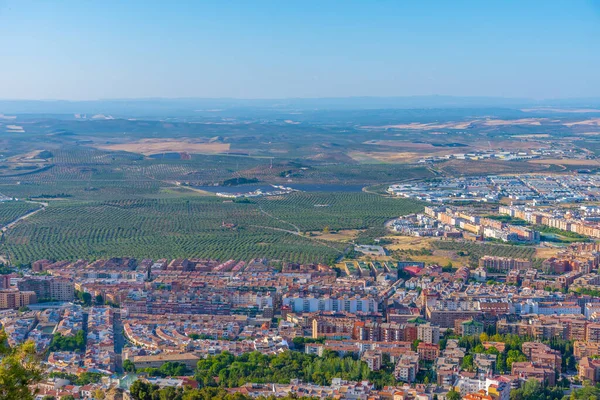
[191, 106]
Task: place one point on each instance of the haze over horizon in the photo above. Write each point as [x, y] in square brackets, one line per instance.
[71, 50]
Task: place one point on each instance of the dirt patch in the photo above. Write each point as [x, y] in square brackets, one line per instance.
[14, 129]
[566, 161]
[592, 121]
[344, 235]
[421, 126]
[404, 144]
[157, 146]
[522, 121]
[508, 145]
[409, 242]
[384, 157]
[532, 136]
[546, 252]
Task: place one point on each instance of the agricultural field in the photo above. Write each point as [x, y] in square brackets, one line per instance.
[336, 211]
[12, 210]
[133, 185]
[192, 226]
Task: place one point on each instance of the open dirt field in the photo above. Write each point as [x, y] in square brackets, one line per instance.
[592, 121]
[157, 146]
[508, 145]
[402, 144]
[560, 161]
[463, 124]
[384, 157]
[409, 242]
[546, 252]
[532, 136]
[522, 121]
[14, 129]
[340, 236]
[421, 126]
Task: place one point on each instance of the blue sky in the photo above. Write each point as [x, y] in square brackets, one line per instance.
[90, 49]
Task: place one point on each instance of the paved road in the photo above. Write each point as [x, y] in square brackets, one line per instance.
[119, 341]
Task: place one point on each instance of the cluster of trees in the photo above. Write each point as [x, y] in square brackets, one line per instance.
[129, 366]
[560, 232]
[67, 397]
[239, 181]
[590, 292]
[141, 390]
[504, 360]
[507, 219]
[85, 378]
[19, 368]
[167, 369]
[512, 352]
[534, 390]
[585, 393]
[227, 370]
[300, 342]
[84, 297]
[68, 343]
[4, 270]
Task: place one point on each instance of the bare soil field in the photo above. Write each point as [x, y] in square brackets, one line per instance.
[14, 129]
[470, 167]
[508, 145]
[463, 124]
[384, 157]
[421, 126]
[345, 235]
[546, 252]
[532, 136]
[561, 161]
[402, 144]
[156, 146]
[409, 242]
[522, 121]
[592, 121]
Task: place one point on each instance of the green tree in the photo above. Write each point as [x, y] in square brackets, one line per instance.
[467, 363]
[19, 368]
[68, 343]
[128, 366]
[415, 345]
[479, 349]
[501, 363]
[453, 395]
[85, 298]
[514, 356]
